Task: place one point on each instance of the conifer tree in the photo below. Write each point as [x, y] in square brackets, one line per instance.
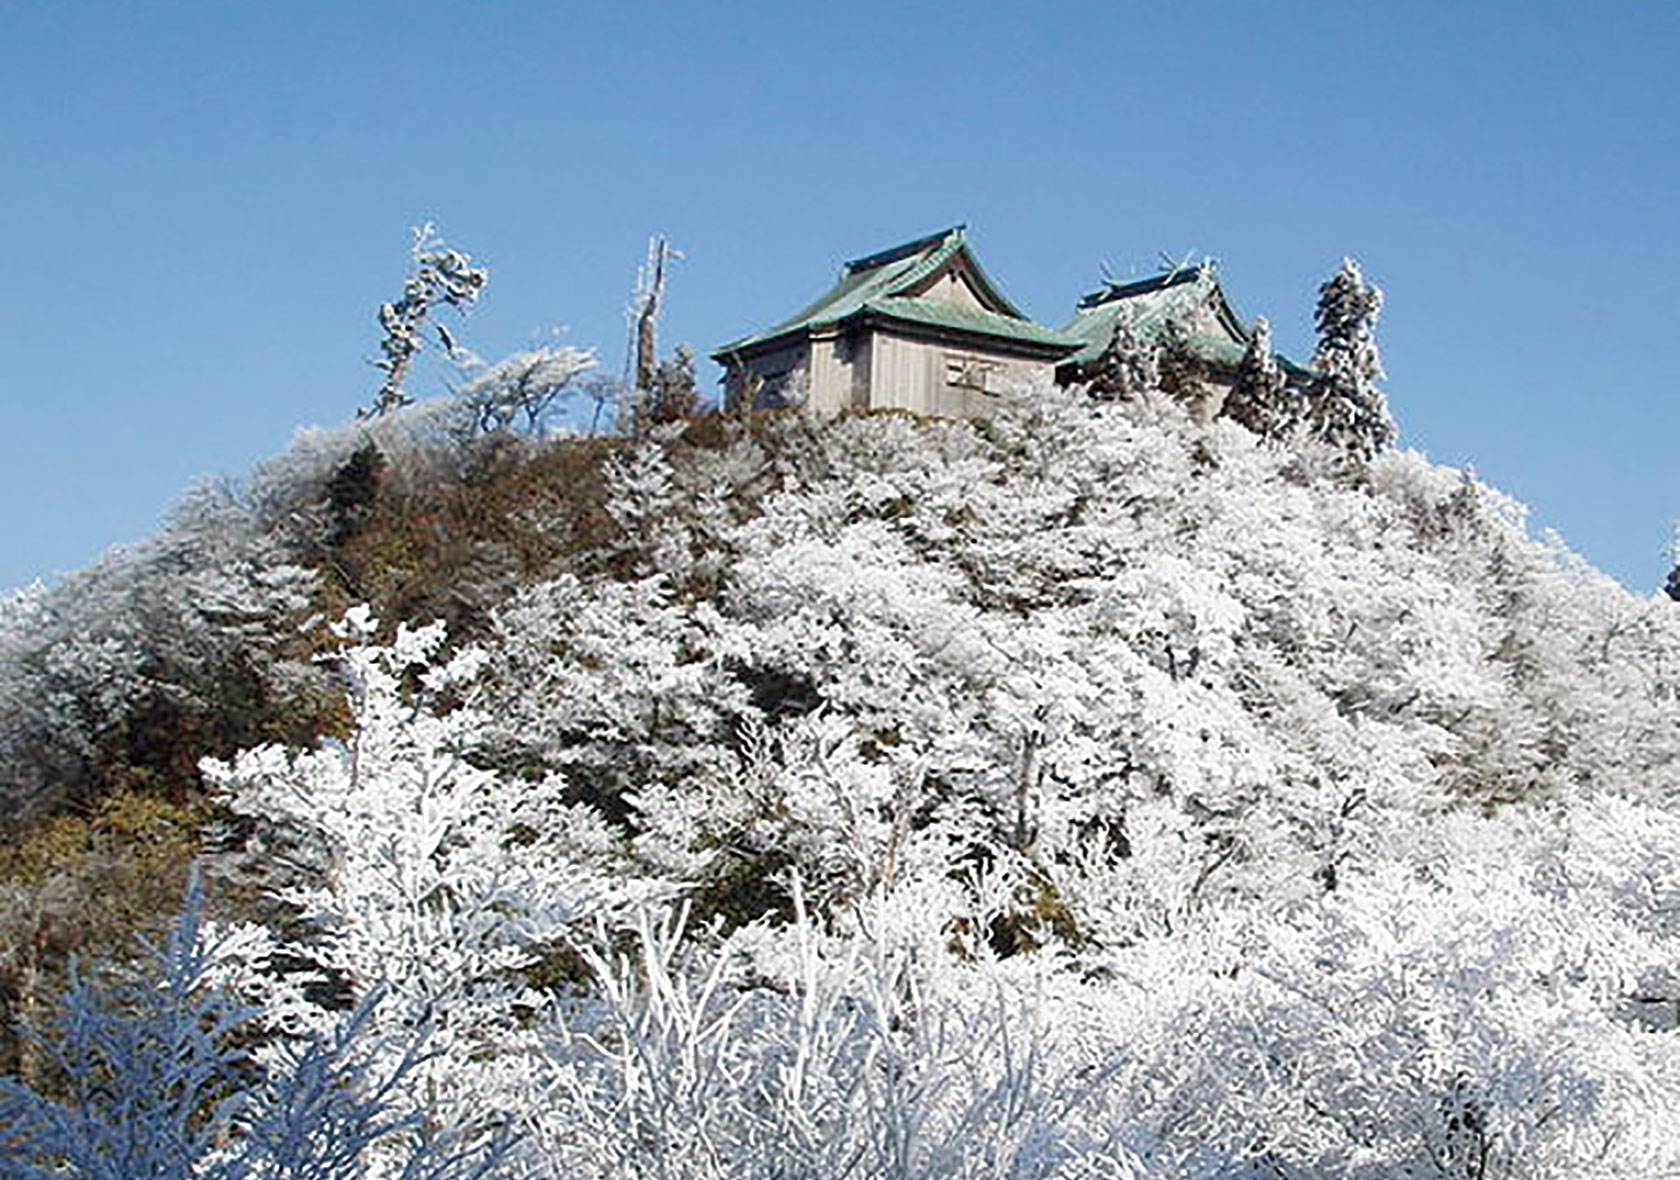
[1261, 400]
[1347, 408]
[1183, 374]
[1130, 367]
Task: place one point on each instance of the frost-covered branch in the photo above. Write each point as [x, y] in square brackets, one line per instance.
[165, 1077]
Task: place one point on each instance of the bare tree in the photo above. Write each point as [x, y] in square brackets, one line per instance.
[650, 298]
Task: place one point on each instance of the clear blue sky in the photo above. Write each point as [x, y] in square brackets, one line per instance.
[202, 204]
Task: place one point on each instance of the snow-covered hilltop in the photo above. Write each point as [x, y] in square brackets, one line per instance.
[1083, 791]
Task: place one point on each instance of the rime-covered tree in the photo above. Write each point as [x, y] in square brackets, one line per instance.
[1261, 400]
[1183, 374]
[1345, 406]
[673, 394]
[1130, 367]
[521, 387]
[437, 276]
[444, 885]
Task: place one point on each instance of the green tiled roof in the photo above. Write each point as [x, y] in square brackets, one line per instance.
[1153, 304]
[877, 287]
[971, 320]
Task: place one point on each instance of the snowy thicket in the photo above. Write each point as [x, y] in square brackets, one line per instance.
[161, 1081]
[1090, 793]
[426, 880]
[189, 643]
[184, 632]
[1083, 793]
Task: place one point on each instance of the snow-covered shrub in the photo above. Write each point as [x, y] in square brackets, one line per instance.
[1457, 1014]
[126, 671]
[427, 880]
[163, 1076]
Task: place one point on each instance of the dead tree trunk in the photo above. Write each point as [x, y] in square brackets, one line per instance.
[649, 300]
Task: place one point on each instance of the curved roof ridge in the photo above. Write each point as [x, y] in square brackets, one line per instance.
[905, 250]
